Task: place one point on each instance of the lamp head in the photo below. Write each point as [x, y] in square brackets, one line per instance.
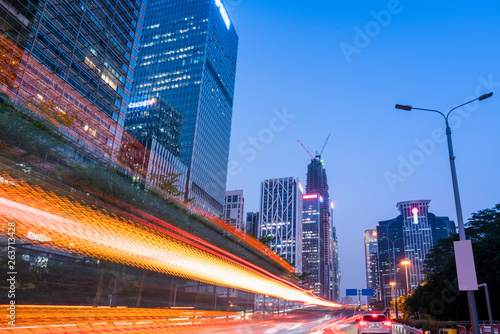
[403, 107]
[485, 96]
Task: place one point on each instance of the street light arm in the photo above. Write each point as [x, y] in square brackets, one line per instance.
[463, 104]
[482, 97]
[436, 111]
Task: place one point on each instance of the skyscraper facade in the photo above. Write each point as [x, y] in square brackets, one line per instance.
[371, 261]
[233, 209]
[410, 236]
[252, 224]
[317, 184]
[91, 48]
[188, 58]
[281, 218]
[311, 231]
[336, 274]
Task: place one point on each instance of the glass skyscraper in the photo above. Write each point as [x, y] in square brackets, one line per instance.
[311, 231]
[91, 48]
[371, 262]
[188, 58]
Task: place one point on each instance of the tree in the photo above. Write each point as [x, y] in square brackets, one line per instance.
[168, 183]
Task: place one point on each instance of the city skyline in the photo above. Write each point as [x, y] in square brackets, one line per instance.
[295, 82]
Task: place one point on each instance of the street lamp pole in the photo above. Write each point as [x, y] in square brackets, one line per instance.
[458, 206]
[406, 263]
[393, 285]
[393, 264]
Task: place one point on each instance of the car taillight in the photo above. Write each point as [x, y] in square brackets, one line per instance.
[388, 324]
[363, 323]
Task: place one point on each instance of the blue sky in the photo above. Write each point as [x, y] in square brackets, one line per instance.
[293, 62]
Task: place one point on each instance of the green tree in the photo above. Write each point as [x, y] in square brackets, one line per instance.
[168, 183]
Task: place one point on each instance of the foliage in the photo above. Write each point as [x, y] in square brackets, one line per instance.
[439, 296]
[431, 325]
[33, 136]
[168, 183]
[267, 239]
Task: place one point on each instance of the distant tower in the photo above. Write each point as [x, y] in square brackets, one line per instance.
[252, 224]
[281, 218]
[233, 209]
[409, 236]
[371, 261]
[311, 231]
[328, 278]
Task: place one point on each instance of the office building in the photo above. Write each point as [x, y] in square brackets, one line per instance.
[281, 218]
[410, 236]
[188, 59]
[328, 278]
[252, 224]
[371, 262]
[234, 209]
[311, 231]
[336, 273]
[89, 51]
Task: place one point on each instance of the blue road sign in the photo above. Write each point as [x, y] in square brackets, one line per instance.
[367, 292]
[351, 292]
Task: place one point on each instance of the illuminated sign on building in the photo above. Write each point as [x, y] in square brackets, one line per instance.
[415, 215]
[223, 12]
[146, 103]
[310, 196]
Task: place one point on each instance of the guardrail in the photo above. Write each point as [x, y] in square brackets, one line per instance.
[483, 329]
[403, 329]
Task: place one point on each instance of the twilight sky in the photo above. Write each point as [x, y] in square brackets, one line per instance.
[310, 68]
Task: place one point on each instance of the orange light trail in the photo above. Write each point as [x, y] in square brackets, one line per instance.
[85, 230]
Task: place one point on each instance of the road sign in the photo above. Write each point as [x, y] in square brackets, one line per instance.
[351, 292]
[367, 292]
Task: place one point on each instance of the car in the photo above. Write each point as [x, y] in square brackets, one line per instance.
[374, 323]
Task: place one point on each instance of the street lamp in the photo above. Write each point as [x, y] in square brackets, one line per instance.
[393, 285]
[458, 207]
[406, 263]
[393, 262]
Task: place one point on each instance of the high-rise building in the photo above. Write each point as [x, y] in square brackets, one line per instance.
[410, 236]
[91, 49]
[281, 218]
[233, 209]
[336, 274]
[188, 59]
[371, 262]
[328, 278]
[252, 224]
[311, 231]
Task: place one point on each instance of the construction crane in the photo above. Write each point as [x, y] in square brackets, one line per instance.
[305, 149]
[318, 155]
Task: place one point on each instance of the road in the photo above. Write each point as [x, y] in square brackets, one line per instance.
[313, 320]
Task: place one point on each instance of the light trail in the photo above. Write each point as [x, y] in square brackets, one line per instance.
[81, 229]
